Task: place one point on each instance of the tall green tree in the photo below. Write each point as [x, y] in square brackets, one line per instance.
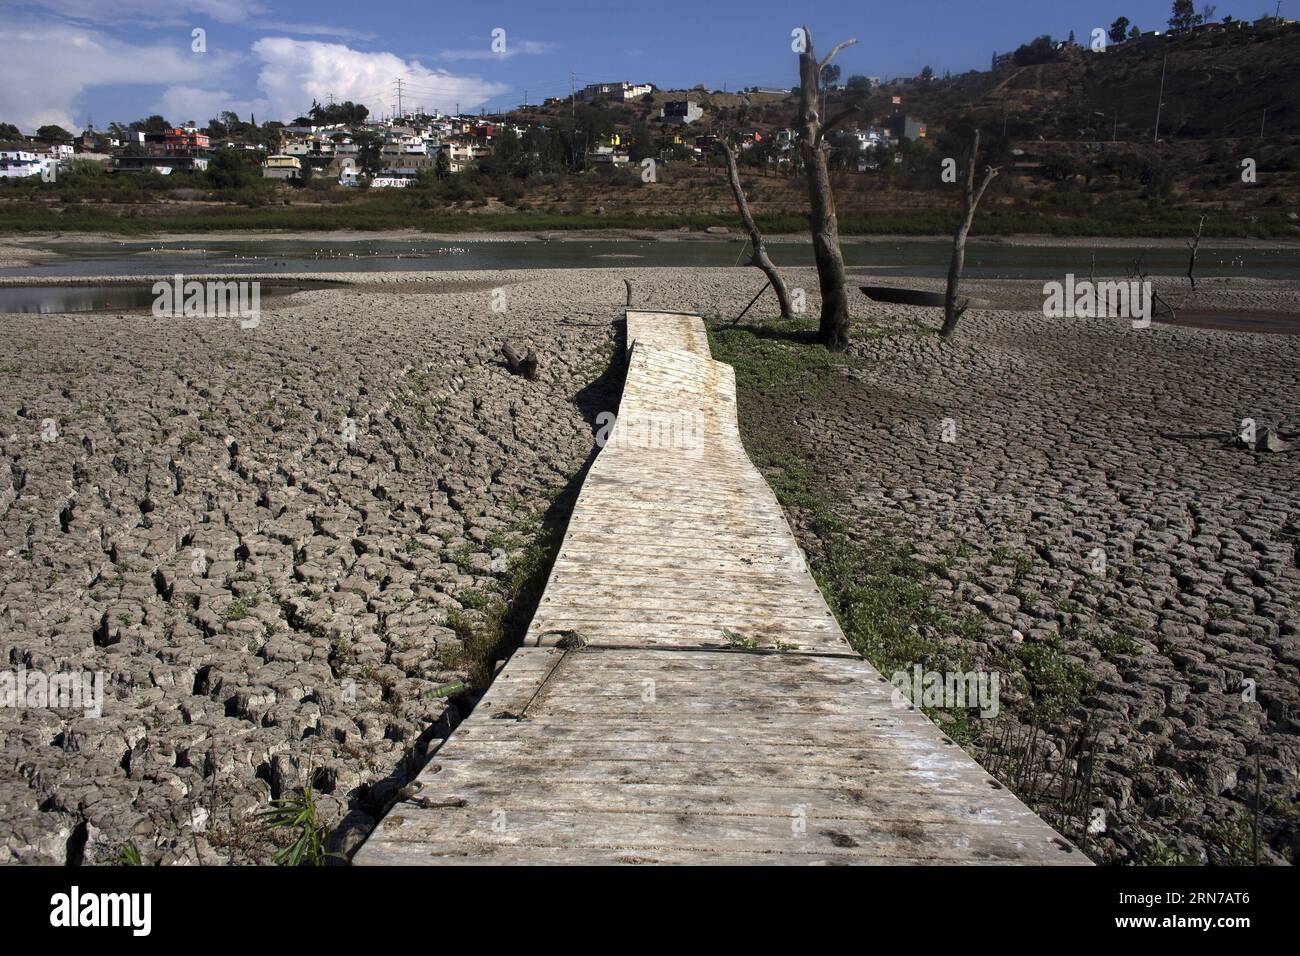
[1119, 29]
[1184, 15]
[227, 170]
[152, 124]
[642, 144]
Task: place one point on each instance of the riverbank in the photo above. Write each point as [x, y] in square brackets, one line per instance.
[285, 546]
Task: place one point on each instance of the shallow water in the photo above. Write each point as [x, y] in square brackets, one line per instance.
[985, 260]
[90, 298]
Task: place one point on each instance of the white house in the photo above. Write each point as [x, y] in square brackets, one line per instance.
[619, 91]
[19, 164]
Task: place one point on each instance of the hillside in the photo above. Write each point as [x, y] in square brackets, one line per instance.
[1217, 86]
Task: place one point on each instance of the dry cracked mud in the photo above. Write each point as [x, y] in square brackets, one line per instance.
[257, 536]
[269, 600]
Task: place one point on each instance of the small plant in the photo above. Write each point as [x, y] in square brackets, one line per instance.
[1056, 682]
[1116, 643]
[296, 816]
[463, 558]
[235, 611]
[738, 641]
[341, 650]
[1027, 600]
[476, 600]
[128, 854]
[1233, 840]
[1162, 855]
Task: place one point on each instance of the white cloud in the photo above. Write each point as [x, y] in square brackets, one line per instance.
[295, 72]
[513, 48]
[47, 67]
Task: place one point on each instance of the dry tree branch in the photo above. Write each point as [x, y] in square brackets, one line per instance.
[758, 258]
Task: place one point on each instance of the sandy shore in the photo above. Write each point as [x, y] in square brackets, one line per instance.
[271, 600]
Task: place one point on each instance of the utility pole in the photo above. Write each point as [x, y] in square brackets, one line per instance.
[1261, 122]
[1160, 100]
[399, 96]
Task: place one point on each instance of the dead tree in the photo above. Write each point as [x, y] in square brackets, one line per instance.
[970, 200]
[758, 258]
[1194, 246]
[833, 331]
[1161, 308]
[525, 365]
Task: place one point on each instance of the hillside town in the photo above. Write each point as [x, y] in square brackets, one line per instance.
[395, 151]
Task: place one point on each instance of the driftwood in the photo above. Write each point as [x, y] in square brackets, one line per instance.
[833, 331]
[758, 258]
[525, 365]
[970, 199]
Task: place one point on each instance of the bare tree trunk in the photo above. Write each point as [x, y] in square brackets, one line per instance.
[1194, 245]
[970, 199]
[834, 328]
[759, 257]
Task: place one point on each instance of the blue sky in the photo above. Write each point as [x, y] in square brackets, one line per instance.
[68, 61]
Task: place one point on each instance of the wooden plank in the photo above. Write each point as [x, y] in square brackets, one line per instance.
[629, 730]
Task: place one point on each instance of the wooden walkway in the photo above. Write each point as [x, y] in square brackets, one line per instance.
[684, 695]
